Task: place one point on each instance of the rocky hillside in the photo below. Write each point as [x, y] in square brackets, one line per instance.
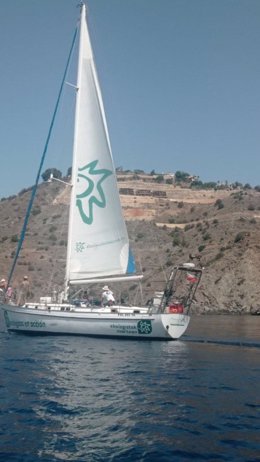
[167, 225]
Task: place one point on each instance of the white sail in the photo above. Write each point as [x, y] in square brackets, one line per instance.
[98, 244]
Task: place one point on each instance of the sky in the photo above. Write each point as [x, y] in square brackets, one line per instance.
[180, 81]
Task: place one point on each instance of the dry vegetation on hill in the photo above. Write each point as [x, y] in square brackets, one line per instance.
[222, 227]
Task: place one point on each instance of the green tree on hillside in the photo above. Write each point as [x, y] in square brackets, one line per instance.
[181, 176]
[56, 174]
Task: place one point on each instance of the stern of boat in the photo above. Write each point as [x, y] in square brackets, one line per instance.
[175, 324]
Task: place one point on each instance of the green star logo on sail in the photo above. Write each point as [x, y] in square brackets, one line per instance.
[93, 194]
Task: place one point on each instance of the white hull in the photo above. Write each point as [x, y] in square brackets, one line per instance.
[104, 322]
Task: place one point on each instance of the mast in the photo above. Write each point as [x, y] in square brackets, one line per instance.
[73, 171]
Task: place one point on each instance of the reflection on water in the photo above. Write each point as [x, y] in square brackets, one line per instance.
[244, 330]
[79, 399]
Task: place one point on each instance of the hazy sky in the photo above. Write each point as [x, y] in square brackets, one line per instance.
[180, 82]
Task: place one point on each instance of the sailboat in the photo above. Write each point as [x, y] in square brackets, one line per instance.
[98, 248]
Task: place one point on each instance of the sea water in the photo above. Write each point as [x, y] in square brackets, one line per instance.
[83, 399]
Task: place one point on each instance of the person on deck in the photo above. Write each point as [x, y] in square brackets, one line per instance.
[24, 291]
[3, 284]
[9, 295]
[2, 290]
[107, 298]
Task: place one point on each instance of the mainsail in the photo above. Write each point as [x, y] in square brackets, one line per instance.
[98, 244]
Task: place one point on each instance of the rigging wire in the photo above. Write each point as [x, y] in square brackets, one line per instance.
[29, 208]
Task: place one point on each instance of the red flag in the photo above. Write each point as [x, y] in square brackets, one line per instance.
[191, 278]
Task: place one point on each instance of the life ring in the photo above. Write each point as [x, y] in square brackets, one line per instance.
[176, 308]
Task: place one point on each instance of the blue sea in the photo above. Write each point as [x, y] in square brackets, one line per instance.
[83, 399]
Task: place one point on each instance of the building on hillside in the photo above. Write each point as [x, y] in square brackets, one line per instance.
[127, 191]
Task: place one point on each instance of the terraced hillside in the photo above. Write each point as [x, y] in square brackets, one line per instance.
[167, 225]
